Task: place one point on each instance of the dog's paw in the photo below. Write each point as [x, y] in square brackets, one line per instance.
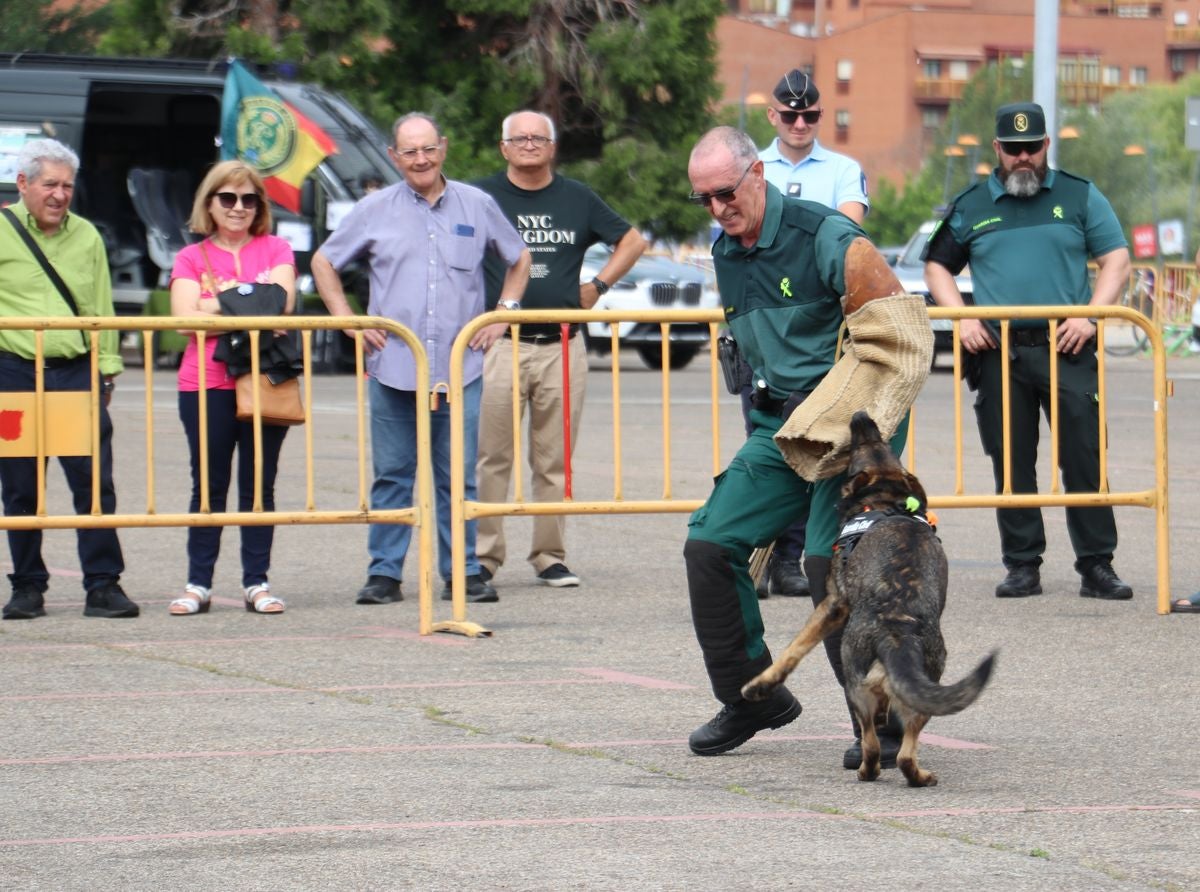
[759, 688]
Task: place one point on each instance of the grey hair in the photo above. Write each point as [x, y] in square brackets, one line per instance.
[738, 143]
[506, 127]
[37, 152]
[415, 116]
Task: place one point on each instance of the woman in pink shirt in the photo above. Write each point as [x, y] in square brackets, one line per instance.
[231, 211]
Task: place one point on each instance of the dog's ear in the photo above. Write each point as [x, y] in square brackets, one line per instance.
[857, 483]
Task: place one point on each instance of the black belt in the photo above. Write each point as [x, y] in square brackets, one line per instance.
[783, 408]
[543, 338]
[50, 362]
[1029, 337]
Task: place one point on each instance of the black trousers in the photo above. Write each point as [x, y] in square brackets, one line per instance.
[100, 555]
[1093, 531]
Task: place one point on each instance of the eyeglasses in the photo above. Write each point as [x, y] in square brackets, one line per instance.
[229, 199]
[705, 199]
[537, 141]
[1013, 148]
[789, 117]
[411, 154]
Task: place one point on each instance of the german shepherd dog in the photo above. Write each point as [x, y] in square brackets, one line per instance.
[887, 587]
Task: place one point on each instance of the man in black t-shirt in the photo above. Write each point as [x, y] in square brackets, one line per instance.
[559, 218]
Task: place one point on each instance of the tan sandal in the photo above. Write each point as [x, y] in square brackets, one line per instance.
[196, 599]
[260, 600]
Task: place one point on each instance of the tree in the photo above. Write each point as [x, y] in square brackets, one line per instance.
[630, 83]
[39, 26]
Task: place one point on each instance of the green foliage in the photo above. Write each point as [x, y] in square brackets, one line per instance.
[42, 26]
[896, 213]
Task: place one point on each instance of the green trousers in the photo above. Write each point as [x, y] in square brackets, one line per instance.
[754, 500]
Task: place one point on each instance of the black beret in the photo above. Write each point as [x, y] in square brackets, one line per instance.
[796, 90]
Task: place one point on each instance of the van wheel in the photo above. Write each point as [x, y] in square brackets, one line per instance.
[651, 355]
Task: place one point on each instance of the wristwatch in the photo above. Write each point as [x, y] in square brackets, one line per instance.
[601, 286]
[508, 305]
[107, 385]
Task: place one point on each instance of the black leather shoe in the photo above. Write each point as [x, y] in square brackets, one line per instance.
[889, 748]
[379, 590]
[737, 723]
[478, 591]
[26, 603]
[110, 602]
[788, 579]
[1022, 581]
[1101, 581]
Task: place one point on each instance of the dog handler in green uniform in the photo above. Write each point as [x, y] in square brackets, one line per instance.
[780, 266]
[1028, 232]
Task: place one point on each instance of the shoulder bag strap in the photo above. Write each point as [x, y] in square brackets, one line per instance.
[50, 271]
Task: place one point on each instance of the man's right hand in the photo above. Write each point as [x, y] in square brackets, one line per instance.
[975, 336]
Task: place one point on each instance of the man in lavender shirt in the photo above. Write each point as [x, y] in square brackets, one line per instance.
[424, 241]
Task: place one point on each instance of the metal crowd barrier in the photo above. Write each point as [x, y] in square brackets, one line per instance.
[1155, 498]
[53, 419]
[462, 511]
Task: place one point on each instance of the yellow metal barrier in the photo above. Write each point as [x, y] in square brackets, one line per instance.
[46, 444]
[1155, 498]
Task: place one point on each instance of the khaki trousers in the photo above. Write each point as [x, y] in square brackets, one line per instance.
[541, 393]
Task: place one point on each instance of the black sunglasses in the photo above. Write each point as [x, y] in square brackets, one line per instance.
[229, 199]
[1013, 148]
[705, 199]
[789, 117]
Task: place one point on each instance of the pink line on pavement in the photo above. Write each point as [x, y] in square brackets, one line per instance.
[192, 692]
[259, 754]
[423, 825]
[614, 677]
[371, 633]
[950, 743]
[597, 820]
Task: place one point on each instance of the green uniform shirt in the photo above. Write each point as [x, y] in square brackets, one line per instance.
[782, 295]
[77, 254]
[1027, 251]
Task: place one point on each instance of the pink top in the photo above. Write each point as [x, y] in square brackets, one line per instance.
[258, 257]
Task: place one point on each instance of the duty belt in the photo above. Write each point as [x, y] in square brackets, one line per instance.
[543, 338]
[1029, 337]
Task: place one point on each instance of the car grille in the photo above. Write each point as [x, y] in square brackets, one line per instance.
[665, 294]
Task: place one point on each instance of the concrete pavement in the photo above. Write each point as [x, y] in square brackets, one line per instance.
[334, 748]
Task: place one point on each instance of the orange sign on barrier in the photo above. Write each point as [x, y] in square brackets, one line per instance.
[68, 424]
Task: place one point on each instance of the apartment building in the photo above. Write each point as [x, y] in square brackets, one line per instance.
[888, 70]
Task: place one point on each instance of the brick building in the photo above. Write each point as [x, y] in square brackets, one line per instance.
[889, 69]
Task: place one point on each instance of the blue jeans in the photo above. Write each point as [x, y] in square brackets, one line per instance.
[226, 434]
[394, 455]
[99, 550]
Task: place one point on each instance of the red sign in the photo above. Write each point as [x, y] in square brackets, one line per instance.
[1145, 241]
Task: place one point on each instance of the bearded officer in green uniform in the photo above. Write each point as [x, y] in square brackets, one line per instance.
[782, 269]
[1028, 233]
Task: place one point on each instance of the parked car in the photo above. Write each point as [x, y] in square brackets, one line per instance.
[910, 270]
[654, 283]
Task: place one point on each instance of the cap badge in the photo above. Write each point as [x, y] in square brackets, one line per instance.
[1021, 123]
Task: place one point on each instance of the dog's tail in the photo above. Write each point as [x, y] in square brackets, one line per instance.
[911, 685]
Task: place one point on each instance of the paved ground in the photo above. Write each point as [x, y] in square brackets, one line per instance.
[333, 748]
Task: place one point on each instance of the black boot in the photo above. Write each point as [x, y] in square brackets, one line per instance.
[817, 569]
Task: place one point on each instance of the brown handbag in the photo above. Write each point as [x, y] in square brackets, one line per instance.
[280, 404]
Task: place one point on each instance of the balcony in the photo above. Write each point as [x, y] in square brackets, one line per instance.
[1181, 38]
[937, 90]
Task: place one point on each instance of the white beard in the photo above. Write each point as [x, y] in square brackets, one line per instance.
[1023, 183]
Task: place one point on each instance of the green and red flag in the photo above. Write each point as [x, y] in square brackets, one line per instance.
[270, 135]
